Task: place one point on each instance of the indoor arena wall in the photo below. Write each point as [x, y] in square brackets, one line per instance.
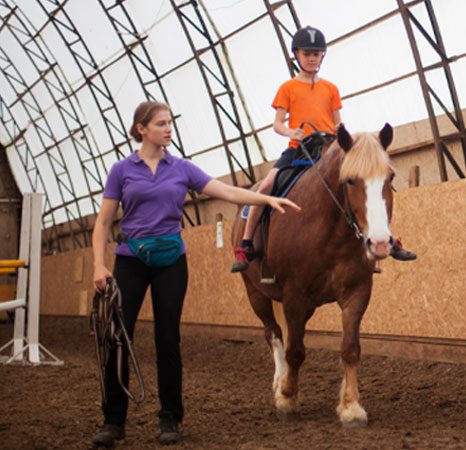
[420, 298]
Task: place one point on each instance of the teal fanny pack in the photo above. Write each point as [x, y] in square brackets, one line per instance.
[157, 251]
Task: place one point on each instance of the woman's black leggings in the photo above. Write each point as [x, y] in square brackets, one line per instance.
[168, 288]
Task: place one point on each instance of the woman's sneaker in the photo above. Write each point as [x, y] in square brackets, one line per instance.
[169, 432]
[108, 434]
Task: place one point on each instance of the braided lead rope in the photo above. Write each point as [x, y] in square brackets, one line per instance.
[108, 328]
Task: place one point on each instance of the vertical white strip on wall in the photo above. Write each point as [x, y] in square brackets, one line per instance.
[219, 234]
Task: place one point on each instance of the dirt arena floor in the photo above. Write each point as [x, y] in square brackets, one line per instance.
[228, 400]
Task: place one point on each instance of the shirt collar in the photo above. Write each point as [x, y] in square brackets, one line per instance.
[168, 158]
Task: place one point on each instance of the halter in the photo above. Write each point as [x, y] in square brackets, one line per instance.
[108, 327]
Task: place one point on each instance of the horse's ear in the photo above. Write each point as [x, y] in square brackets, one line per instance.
[344, 138]
[386, 135]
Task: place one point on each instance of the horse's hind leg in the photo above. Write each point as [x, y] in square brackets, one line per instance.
[263, 307]
[351, 413]
[286, 394]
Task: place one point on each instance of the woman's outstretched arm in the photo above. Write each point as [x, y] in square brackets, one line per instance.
[240, 196]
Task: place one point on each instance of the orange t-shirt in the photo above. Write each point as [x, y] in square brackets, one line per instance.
[306, 104]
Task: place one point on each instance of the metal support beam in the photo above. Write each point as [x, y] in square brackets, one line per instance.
[280, 27]
[149, 79]
[213, 74]
[456, 117]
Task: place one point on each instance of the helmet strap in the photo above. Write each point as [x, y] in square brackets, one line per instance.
[304, 70]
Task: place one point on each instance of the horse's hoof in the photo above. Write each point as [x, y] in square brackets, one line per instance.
[286, 405]
[355, 423]
[288, 416]
[352, 416]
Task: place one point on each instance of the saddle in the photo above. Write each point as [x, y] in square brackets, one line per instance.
[307, 154]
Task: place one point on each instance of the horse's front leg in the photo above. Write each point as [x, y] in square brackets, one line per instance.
[351, 413]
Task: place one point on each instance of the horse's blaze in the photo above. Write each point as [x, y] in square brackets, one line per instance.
[378, 229]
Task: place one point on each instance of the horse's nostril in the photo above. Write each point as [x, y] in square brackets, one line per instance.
[391, 240]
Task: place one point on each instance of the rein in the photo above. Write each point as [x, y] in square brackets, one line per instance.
[108, 328]
[348, 215]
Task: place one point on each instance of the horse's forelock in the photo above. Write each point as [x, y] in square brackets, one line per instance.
[366, 159]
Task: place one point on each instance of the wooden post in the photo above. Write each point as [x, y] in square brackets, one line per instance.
[414, 176]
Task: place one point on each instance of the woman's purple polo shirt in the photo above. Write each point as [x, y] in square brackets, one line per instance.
[152, 205]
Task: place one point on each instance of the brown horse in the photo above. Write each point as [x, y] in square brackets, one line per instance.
[324, 254]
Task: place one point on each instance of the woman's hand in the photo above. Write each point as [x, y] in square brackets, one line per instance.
[278, 203]
[101, 274]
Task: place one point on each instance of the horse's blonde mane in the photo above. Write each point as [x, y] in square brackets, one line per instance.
[366, 159]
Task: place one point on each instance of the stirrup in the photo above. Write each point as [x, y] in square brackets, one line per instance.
[266, 280]
[272, 280]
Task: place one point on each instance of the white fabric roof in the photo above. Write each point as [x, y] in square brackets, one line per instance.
[369, 58]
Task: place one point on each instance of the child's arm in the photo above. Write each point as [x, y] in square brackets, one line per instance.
[336, 119]
[280, 127]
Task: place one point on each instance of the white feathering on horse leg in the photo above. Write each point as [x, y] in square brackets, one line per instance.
[280, 363]
[353, 414]
[285, 405]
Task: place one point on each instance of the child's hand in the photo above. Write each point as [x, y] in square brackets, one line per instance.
[336, 127]
[296, 134]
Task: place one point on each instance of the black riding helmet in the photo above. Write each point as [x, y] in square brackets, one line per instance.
[309, 38]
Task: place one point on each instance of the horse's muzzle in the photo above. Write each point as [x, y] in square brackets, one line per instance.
[380, 248]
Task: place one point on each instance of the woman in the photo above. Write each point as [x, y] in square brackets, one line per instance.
[151, 185]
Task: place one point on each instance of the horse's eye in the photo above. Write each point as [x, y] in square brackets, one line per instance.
[351, 181]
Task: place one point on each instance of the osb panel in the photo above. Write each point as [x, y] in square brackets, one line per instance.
[62, 277]
[420, 298]
[423, 297]
[214, 294]
[7, 292]
[426, 159]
